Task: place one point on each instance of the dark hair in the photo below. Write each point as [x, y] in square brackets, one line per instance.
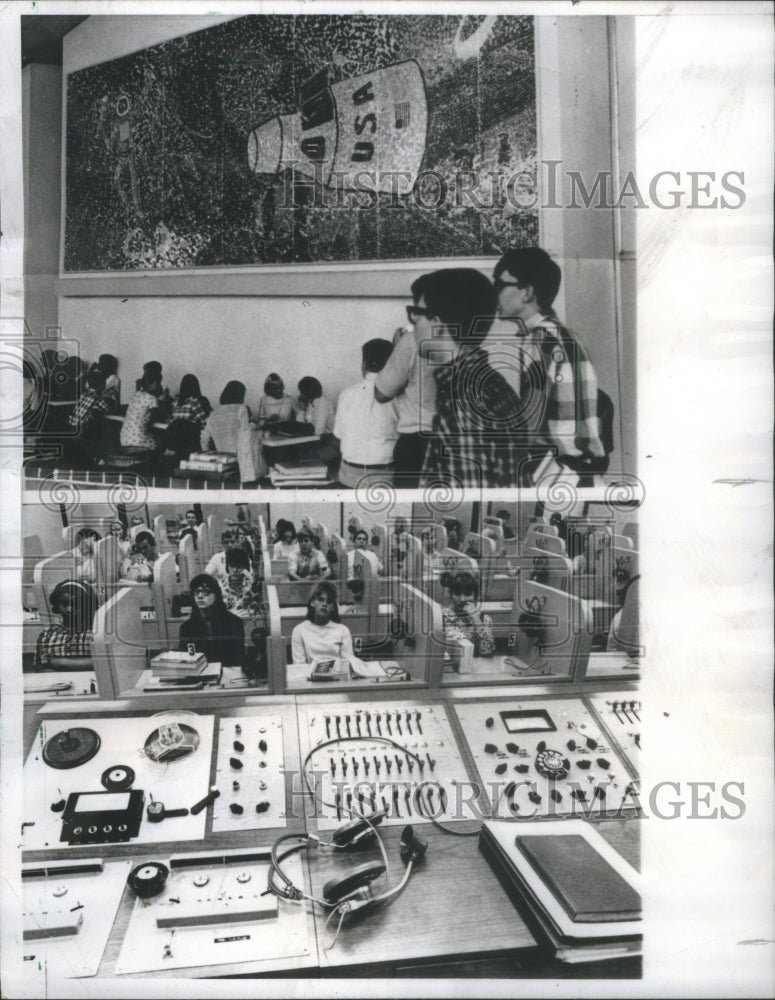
[452, 522]
[273, 381]
[530, 624]
[282, 526]
[310, 387]
[234, 392]
[533, 266]
[149, 378]
[83, 603]
[228, 535]
[237, 559]
[152, 369]
[191, 511]
[144, 536]
[324, 587]
[189, 386]
[220, 612]
[95, 378]
[503, 515]
[462, 298]
[361, 531]
[86, 533]
[306, 533]
[464, 583]
[108, 363]
[121, 525]
[375, 354]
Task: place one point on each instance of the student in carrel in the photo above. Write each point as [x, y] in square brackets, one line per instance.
[67, 645]
[322, 634]
[212, 629]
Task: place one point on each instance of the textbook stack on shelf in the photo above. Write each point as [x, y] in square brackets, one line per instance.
[222, 462]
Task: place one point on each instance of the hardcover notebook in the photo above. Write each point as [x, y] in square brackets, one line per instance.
[585, 884]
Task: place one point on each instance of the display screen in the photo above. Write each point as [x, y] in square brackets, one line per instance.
[92, 802]
[528, 721]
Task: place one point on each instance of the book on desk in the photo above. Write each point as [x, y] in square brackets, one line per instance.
[577, 894]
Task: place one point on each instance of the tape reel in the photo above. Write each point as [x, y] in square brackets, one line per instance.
[117, 778]
[148, 880]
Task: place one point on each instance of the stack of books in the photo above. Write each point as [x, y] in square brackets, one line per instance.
[223, 463]
[174, 665]
[303, 472]
[575, 892]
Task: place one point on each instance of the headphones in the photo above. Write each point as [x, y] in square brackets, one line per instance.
[351, 891]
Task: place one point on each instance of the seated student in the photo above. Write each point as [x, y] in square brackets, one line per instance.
[322, 634]
[286, 542]
[236, 558]
[308, 563]
[92, 440]
[312, 407]
[217, 565]
[237, 585]
[433, 560]
[212, 629]
[366, 428]
[108, 365]
[275, 405]
[190, 526]
[505, 518]
[463, 620]
[454, 533]
[144, 410]
[83, 555]
[190, 410]
[229, 428]
[557, 382]
[360, 544]
[248, 539]
[398, 541]
[137, 567]
[68, 645]
[118, 530]
[479, 425]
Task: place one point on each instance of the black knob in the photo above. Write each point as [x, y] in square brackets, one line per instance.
[490, 722]
[500, 769]
[262, 746]
[239, 747]
[236, 808]
[602, 762]
[236, 763]
[262, 807]
[584, 764]
[490, 748]
[522, 768]
[512, 748]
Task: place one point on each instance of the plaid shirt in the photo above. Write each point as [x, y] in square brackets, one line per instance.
[191, 409]
[479, 430]
[91, 405]
[559, 392]
[58, 642]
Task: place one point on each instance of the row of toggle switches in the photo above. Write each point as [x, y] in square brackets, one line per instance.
[364, 724]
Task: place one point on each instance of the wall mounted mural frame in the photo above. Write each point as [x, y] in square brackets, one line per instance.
[108, 107]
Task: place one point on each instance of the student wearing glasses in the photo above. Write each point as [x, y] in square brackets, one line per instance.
[479, 437]
[553, 376]
[212, 629]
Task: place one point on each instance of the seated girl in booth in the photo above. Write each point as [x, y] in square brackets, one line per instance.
[275, 405]
[360, 544]
[137, 567]
[322, 634]
[235, 579]
[212, 629]
[463, 619]
[286, 540]
[433, 561]
[68, 645]
[308, 563]
[454, 533]
[118, 530]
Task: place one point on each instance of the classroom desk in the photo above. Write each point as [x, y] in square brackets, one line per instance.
[297, 680]
[118, 418]
[452, 919]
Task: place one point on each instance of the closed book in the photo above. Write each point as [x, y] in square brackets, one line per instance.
[584, 883]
